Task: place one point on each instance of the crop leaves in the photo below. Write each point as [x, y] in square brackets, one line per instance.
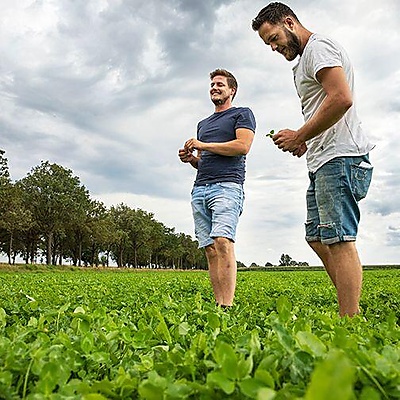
[159, 336]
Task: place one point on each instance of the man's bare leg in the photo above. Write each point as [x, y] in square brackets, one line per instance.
[212, 260]
[222, 270]
[345, 270]
[324, 254]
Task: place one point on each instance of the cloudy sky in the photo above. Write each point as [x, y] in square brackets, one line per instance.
[112, 88]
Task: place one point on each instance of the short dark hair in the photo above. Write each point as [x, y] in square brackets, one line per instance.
[232, 82]
[273, 13]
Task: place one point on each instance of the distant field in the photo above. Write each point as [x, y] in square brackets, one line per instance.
[158, 335]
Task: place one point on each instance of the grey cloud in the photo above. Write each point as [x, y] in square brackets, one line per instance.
[186, 33]
[393, 236]
[384, 199]
[92, 46]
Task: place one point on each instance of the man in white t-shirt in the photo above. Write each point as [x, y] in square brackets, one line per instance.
[337, 149]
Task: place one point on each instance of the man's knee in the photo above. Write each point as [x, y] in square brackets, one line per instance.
[210, 251]
[322, 251]
[223, 244]
[316, 246]
[343, 248]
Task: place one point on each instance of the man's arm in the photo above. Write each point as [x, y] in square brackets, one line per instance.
[337, 101]
[239, 146]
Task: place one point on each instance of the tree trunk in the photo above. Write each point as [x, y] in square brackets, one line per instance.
[27, 255]
[80, 254]
[49, 248]
[135, 258]
[10, 248]
[120, 257]
[32, 251]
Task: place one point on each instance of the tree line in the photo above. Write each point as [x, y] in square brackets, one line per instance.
[49, 216]
[284, 261]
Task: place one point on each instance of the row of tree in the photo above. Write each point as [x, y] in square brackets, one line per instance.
[287, 261]
[49, 215]
[284, 261]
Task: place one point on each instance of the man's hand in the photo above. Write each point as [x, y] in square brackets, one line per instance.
[186, 156]
[301, 150]
[288, 140]
[193, 144]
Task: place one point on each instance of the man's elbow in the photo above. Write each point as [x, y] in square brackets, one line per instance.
[345, 101]
[348, 103]
[245, 149]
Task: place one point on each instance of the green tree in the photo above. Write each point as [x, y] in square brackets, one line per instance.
[140, 235]
[157, 243]
[190, 254]
[4, 171]
[136, 236]
[14, 217]
[285, 260]
[55, 197]
[268, 264]
[173, 249]
[15, 220]
[5, 182]
[122, 218]
[87, 234]
[100, 230]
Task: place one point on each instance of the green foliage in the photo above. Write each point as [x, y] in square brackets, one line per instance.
[49, 214]
[55, 199]
[271, 133]
[4, 172]
[286, 260]
[158, 335]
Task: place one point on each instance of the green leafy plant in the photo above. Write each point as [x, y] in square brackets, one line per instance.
[158, 335]
[270, 134]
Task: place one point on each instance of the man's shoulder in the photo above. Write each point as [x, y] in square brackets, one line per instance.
[242, 109]
[242, 112]
[322, 51]
[317, 42]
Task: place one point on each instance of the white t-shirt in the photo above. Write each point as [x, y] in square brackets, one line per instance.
[345, 138]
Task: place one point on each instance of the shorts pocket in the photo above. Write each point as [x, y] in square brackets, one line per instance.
[361, 176]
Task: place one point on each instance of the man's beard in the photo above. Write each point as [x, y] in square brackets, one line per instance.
[293, 48]
[220, 101]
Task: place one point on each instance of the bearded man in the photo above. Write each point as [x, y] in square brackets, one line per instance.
[337, 148]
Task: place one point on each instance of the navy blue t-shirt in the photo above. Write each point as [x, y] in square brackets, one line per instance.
[217, 128]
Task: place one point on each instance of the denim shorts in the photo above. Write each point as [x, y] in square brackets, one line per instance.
[216, 209]
[332, 199]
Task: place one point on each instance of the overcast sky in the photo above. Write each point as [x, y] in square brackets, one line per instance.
[111, 89]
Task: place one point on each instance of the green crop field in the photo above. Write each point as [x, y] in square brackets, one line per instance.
[158, 335]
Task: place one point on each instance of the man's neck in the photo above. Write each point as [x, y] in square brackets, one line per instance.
[223, 107]
[304, 37]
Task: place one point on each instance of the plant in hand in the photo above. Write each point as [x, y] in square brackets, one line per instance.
[270, 134]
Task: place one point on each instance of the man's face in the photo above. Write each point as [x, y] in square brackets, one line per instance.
[220, 92]
[281, 39]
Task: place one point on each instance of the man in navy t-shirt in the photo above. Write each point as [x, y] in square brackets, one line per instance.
[223, 140]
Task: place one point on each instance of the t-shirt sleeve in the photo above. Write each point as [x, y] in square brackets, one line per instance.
[324, 54]
[198, 130]
[246, 120]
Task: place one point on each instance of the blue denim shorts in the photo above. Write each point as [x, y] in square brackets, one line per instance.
[332, 199]
[216, 209]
